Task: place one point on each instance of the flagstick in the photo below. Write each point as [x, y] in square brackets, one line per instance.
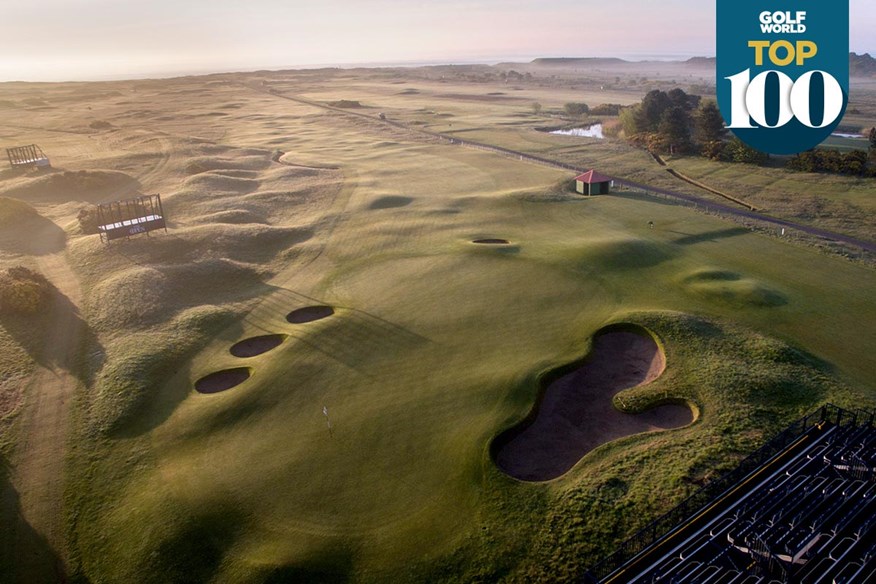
[328, 422]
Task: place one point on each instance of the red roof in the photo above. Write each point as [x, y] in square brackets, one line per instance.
[591, 176]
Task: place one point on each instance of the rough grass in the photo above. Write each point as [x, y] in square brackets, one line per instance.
[13, 211]
[82, 185]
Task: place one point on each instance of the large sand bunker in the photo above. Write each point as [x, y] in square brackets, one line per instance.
[576, 414]
[256, 345]
[223, 380]
[309, 314]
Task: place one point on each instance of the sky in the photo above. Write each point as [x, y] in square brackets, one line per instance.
[54, 40]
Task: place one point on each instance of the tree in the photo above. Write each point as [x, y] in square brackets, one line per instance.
[681, 99]
[675, 128]
[576, 109]
[709, 123]
[629, 119]
[536, 108]
[872, 137]
[650, 112]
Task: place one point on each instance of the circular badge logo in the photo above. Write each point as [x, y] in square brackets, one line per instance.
[782, 71]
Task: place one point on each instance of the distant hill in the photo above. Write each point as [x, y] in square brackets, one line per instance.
[573, 61]
[859, 65]
[862, 65]
[701, 62]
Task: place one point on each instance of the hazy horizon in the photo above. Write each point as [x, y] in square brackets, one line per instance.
[72, 40]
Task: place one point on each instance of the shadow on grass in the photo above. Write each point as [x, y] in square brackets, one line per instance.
[711, 235]
[330, 566]
[58, 339]
[25, 555]
[35, 235]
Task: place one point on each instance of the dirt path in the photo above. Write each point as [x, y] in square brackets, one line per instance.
[38, 464]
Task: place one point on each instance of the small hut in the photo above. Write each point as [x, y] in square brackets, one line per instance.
[593, 183]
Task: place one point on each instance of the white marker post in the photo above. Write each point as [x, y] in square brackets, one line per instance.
[328, 422]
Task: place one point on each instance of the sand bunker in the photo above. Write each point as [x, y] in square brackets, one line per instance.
[256, 345]
[223, 380]
[491, 241]
[575, 413]
[309, 314]
[391, 202]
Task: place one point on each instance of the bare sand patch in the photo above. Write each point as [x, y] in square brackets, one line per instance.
[575, 413]
[309, 314]
[256, 345]
[222, 380]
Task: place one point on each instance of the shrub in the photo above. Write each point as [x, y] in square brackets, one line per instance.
[606, 109]
[88, 220]
[713, 150]
[852, 163]
[22, 291]
[576, 109]
[738, 151]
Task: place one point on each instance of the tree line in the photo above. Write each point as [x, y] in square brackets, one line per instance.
[676, 122]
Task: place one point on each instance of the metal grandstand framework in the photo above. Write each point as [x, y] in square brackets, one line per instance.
[800, 510]
[27, 156]
[122, 219]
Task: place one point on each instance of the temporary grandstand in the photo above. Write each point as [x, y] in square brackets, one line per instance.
[122, 219]
[27, 157]
[802, 510]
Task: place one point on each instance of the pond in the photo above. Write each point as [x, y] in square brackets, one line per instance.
[594, 131]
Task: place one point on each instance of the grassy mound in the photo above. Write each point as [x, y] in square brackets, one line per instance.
[213, 182]
[233, 217]
[625, 253]
[14, 212]
[142, 297]
[732, 289]
[78, 185]
[258, 161]
[138, 361]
